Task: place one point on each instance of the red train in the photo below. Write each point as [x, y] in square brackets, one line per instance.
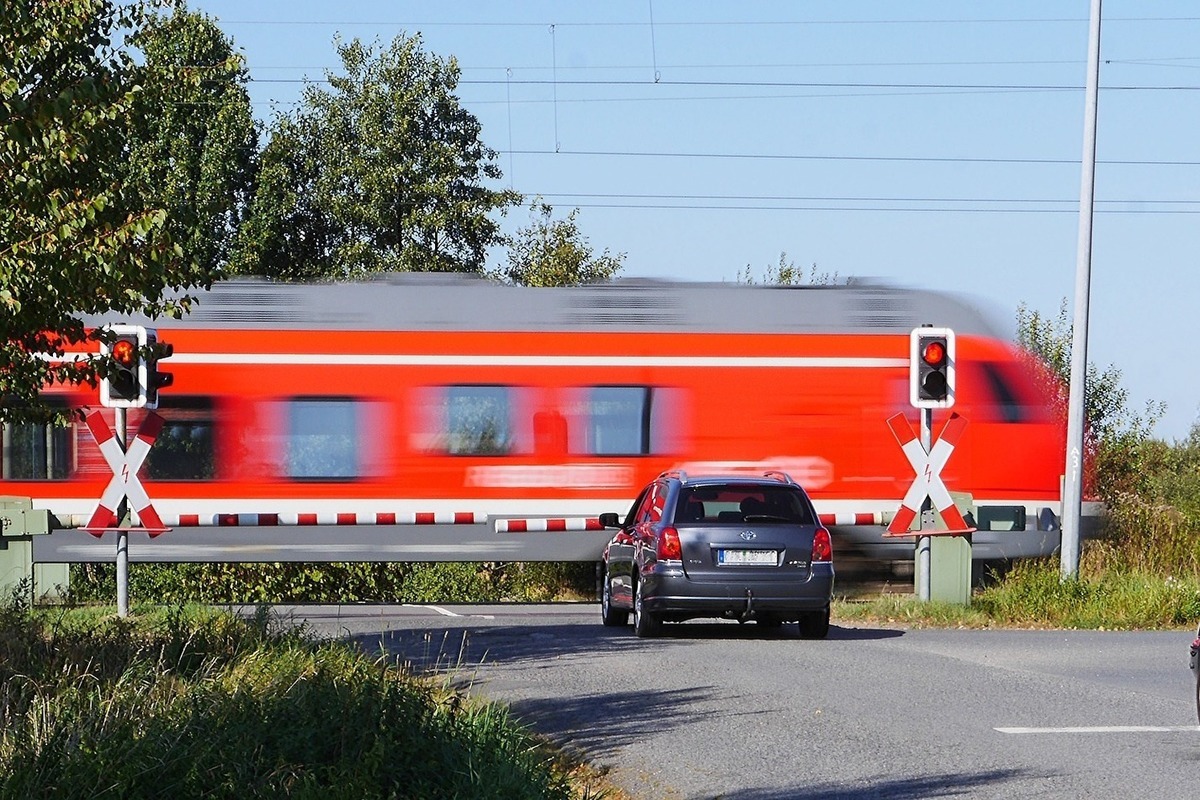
[425, 398]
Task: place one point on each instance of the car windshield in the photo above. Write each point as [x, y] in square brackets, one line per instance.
[743, 503]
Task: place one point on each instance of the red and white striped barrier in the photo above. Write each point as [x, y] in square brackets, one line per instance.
[538, 525]
[524, 525]
[847, 518]
[328, 518]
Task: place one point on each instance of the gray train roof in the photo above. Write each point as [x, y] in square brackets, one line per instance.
[426, 301]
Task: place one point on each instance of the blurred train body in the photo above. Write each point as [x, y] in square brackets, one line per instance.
[442, 394]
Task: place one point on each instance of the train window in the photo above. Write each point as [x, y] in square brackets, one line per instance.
[1009, 407]
[616, 421]
[322, 438]
[478, 420]
[184, 448]
[36, 451]
[473, 420]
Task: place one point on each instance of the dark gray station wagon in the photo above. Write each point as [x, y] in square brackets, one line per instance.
[731, 546]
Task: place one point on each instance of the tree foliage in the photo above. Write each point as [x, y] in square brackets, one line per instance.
[1114, 436]
[193, 143]
[73, 240]
[382, 171]
[555, 253]
[786, 273]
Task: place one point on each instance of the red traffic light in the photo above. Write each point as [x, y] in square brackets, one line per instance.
[935, 354]
[124, 352]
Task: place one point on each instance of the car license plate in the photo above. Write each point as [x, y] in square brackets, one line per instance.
[753, 557]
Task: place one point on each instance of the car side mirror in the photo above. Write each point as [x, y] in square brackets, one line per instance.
[610, 520]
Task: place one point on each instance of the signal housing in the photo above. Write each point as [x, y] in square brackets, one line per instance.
[124, 384]
[931, 367]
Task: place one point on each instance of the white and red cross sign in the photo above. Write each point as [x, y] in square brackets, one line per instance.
[125, 482]
[928, 480]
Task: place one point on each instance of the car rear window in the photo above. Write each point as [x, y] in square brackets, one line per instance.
[743, 503]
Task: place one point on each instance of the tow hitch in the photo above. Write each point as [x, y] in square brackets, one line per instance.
[748, 612]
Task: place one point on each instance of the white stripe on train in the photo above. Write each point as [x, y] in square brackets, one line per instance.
[480, 360]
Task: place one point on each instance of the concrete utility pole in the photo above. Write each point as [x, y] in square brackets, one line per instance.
[1072, 499]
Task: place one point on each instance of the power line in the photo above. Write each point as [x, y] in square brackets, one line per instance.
[945, 209]
[986, 87]
[1154, 61]
[826, 157]
[848, 199]
[701, 23]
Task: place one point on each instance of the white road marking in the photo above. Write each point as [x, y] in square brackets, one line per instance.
[445, 612]
[1106, 729]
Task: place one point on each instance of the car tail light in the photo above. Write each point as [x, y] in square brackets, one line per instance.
[669, 547]
[822, 546]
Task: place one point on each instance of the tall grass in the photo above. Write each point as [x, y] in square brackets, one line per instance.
[1146, 536]
[193, 703]
[1034, 593]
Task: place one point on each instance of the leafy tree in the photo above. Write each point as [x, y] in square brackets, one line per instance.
[73, 241]
[555, 253]
[786, 273]
[1115, 436]
[193, 144]
[383, 171]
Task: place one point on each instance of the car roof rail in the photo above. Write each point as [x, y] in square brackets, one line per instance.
[675, 473]
[778, 475]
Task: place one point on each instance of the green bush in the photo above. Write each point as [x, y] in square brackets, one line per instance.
[449, 582]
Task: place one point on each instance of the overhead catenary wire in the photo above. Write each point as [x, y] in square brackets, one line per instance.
[771, 91]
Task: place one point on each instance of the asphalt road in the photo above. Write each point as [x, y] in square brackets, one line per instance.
[720, 710]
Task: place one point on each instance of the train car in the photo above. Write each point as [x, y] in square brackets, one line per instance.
[491, 411]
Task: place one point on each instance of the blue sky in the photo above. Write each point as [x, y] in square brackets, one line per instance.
[930, 144]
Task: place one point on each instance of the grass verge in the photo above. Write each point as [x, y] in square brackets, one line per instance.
[1033, 595]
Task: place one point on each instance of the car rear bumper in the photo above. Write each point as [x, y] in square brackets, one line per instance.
[671, 591]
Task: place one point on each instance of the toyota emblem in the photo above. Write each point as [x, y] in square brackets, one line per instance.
[748, 535]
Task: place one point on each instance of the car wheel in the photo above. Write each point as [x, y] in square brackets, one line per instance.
[612, 617]
[815, 624]
[645, 623]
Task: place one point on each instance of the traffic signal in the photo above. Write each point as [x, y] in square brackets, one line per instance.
[155, 380]
[124, 382]
[931, 368]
